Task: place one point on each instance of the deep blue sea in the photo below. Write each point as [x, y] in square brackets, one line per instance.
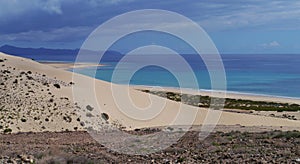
[268, 74]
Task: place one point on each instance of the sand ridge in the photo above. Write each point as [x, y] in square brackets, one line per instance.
[67, 66]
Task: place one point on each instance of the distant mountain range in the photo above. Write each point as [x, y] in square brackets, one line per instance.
[56, 54]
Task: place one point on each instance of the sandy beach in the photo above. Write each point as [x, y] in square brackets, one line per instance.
[67, 66]
[67, 106]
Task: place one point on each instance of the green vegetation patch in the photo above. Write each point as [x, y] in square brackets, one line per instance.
[217, 103]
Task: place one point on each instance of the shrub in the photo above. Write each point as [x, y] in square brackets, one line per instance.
[280, 110]
[8, 130]
[288, 134]
[56, 85]
[180, 159]
[67, 119]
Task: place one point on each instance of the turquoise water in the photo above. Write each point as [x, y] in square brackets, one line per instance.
[276, 75]
[270, 74]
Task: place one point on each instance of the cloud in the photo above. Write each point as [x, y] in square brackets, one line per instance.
[274, 44]
[54, 20]
[253, 14]
[271, 44]
[13, 8]
[212, 15]
[108, 2]
[53, 6]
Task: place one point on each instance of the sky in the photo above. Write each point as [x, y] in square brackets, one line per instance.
[235, 27]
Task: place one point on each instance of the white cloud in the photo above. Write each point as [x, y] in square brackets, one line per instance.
[235, 15]
[53, 6]
[212, 15]
[274, 44]
[107, 2]
[271, 44]
[10, 8]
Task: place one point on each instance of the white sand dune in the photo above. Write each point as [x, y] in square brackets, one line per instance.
[66, 66]
[124, 105]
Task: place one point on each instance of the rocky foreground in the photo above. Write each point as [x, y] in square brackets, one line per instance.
[29, 101]
[219, 147]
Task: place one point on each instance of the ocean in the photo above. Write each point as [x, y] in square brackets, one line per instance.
[265, 74]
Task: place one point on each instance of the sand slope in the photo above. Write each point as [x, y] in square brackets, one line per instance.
[74, 106]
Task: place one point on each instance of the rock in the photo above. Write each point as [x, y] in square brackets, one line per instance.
[272, 115]
[82, 123]
[105, 116]
[26, 158]
[11, 161]
[15, 81]
[89, 108]
[200, 104]
[89, 114]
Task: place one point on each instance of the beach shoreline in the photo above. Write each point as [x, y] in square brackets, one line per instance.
[98, 95]
[231, 95]
[222, 94]
[204, 92]
[70, 65]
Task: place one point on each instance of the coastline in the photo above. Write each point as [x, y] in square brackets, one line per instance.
[59, 117]
[204, 92]
[230, 95]
[69, 65]
[226, 94]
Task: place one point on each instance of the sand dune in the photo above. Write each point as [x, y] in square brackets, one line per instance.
[81, 101]
[66, 66]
